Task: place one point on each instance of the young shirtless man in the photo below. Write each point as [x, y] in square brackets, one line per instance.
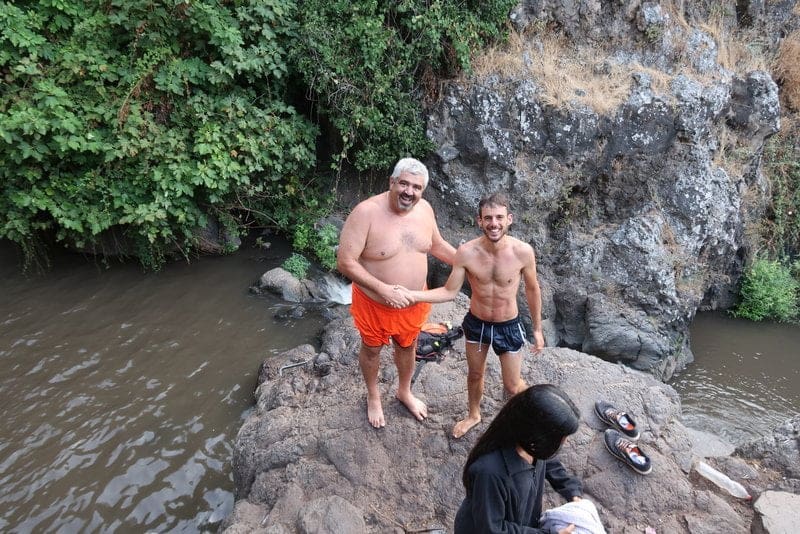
[384, 247]
[494, 264]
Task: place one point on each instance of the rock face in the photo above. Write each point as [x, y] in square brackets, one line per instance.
[778, 512]
[637, 213]
[780, 450]
[306, 459]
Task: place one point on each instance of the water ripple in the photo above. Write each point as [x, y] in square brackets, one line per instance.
[120, 393]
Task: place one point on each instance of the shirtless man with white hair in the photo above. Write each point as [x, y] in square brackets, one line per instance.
[495, 264]
[383, 248]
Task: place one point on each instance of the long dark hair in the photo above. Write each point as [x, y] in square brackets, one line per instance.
[537, 419]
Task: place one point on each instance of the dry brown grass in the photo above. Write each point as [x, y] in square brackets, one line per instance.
[755, 226]
[568, 75]
[790, 126]
[715, 29]
[659, 80]
[733, 154]
[505, 59]
[573, 74]
[742, 51]
[675, 8]
[786, 69]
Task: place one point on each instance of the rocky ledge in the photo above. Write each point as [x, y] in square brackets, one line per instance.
[306, 460]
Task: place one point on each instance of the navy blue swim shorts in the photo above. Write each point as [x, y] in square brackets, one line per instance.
[507, 336]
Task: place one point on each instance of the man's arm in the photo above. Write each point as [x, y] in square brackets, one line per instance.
[352, 241]
[446, 292]
[440, 248]
[534, 297]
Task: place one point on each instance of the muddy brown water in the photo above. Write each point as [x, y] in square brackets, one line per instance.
[121, 392]
[745, 379]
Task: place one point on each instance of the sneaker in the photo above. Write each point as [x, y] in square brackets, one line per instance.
[627, 451]
[616, 418]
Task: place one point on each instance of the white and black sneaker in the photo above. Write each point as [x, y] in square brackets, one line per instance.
[627, 451]
[622, 421]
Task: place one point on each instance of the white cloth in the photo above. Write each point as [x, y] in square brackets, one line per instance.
[582, 514]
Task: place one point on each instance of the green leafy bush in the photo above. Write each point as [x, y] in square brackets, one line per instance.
[768, 292]
[145, 118]
[369, 63]
[319, 240]
[325, 246]
[297, 265]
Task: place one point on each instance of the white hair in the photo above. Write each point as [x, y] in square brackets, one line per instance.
[411, 166]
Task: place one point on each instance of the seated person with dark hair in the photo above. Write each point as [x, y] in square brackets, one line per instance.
[505, 471]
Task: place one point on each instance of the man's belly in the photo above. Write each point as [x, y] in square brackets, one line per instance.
[407, 270]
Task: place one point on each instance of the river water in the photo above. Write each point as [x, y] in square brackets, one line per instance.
[745, 379]
[121, 392]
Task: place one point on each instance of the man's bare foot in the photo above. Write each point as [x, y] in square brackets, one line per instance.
[375, 412]
[464, 426]
[417, 408]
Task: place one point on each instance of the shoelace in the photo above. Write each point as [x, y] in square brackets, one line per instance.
[631, 451]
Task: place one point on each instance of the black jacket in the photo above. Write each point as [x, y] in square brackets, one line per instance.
[506, 494]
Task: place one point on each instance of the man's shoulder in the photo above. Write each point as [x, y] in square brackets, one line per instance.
[423, 214]
[470, 245]
[519, 246]
[368, 205]
[470, 248]
[515, 241]
[424, 206]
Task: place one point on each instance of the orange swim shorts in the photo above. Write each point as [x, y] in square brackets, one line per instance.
[377, 322]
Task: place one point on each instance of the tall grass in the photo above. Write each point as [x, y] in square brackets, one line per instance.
[786, 70]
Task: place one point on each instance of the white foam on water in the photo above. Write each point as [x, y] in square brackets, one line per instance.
[337, 290]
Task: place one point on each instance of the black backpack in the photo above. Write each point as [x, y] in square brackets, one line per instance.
[434, 339]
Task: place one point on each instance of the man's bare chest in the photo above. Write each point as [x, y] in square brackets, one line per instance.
[385, 241]
[497, 272]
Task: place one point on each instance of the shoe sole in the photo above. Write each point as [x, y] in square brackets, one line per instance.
[613, 424]
[624, 460]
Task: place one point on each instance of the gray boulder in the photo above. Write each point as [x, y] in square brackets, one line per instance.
[285, 285]
[778, 513]
[307, 446]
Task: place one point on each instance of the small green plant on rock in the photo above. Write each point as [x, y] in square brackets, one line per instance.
[324, 246]
[654, 33]
[297, 265]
